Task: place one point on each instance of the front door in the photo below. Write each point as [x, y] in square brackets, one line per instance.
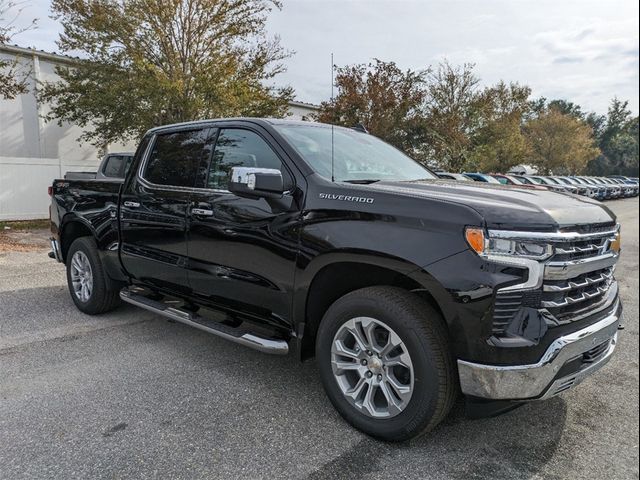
[242, 251]
[154, 205]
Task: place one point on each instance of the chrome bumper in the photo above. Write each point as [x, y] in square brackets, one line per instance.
[538, 381]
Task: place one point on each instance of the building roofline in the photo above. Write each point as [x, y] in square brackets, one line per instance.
[297, 103]
[56, 57]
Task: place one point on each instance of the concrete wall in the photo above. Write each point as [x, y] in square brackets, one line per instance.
[33, 152]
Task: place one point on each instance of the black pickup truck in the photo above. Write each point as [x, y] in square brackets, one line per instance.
[325, 241]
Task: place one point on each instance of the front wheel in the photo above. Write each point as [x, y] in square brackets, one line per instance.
[385, 363]
[91, 289]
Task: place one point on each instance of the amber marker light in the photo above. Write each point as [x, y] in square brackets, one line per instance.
[475, 238]
[615, 243]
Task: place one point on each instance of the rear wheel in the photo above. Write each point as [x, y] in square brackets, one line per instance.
[385, 363]
[91, 289]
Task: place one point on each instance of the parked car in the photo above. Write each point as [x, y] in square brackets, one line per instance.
[579, 188]
[297, 237]
[454, 176]
[630, 188]
[598, 191]
[616, 188]
[511, 180]
[567, 188]
[481, 177]
[608, 188]
[113, 166]
[551, 185]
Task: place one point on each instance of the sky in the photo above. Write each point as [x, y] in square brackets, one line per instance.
[583, 51]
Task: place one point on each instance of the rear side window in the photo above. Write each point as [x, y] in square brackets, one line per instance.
[241, 148]
[176, 157]
[116, 166]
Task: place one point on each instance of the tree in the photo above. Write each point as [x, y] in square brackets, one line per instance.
[617, 135]
[13, 79]
[382, 98]
[560, 143]
[498, 141]
[452, 114]
[153, 62]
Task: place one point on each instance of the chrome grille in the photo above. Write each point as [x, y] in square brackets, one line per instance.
[575, 282]
[579, 276]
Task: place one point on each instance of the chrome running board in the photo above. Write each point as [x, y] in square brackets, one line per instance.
[241, 336]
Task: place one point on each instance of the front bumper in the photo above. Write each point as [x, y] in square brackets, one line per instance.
[565, 363]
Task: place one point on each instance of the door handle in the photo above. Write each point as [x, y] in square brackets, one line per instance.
[131, 204]
[201, 211]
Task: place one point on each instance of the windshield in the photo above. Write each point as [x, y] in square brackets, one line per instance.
[538, 180]
[514, 180]
[357, 156]
[489, 179]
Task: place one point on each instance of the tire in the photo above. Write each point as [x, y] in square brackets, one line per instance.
[430, 377]
[101, 294]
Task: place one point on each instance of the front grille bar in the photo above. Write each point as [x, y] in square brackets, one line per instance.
[572, 285]
[575, 268]
[573, 300]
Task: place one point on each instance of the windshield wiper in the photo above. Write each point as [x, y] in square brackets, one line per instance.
[364, 181]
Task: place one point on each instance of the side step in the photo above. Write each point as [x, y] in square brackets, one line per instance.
[243, 337]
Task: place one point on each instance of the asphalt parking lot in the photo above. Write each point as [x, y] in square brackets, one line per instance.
[130, 395]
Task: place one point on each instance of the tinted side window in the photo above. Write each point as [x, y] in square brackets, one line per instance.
[241, 148]
[115, 166]
[175, 157]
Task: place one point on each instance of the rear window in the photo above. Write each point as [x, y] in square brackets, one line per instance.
[176, 157]
[116, 166]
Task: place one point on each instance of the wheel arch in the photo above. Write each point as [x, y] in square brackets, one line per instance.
[73, 228]
[332, 276]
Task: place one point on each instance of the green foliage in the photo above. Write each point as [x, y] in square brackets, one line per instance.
[443, 118]
[452, 114]
[499, 142]
[383, 99]
[13, 79]
[617, 136]
[153, 62]
[560, 143]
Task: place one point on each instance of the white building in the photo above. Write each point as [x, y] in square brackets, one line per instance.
[33, 152]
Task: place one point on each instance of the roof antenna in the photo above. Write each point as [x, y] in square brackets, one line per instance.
[333, 178]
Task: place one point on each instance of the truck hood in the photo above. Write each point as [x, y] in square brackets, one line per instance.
[508, 207]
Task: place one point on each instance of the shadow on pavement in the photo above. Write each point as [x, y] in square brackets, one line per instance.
[514, 445]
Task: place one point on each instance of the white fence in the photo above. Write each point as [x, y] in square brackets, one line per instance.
[24, 182]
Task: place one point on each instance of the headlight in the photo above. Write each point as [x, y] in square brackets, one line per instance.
[487, 246]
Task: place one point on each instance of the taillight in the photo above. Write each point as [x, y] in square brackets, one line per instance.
[50, 190]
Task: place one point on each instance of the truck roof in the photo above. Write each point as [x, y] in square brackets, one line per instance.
[257, 120]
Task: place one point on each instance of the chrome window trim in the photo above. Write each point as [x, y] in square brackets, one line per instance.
[171, 188]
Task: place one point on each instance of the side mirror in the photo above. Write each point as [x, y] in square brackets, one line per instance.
[252, 182]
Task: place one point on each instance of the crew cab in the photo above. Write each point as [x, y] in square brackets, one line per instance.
[320, 241]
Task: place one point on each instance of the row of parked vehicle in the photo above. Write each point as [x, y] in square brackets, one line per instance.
[599, 188]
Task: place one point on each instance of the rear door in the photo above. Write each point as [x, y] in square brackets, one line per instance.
[242, 251]
[154, 204]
